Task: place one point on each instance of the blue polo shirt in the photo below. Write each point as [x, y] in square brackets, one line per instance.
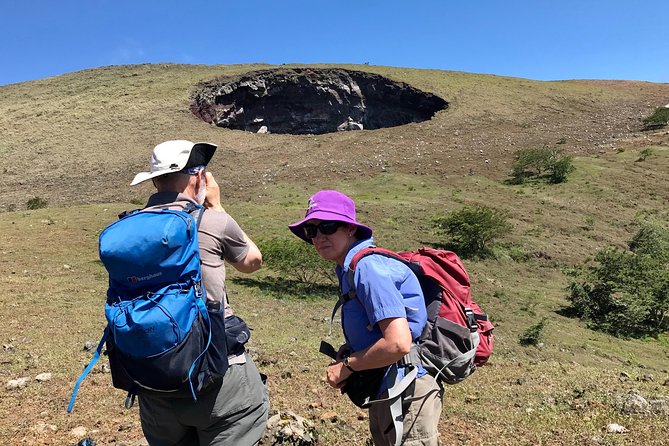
[385, 288]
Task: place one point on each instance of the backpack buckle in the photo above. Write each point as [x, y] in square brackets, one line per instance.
[198, 289]
[471, 320]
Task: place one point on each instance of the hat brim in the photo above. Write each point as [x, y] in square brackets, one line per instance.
[143, 176]
[200, 155]
[363, 231]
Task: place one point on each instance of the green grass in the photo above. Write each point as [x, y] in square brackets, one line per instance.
[51, 309]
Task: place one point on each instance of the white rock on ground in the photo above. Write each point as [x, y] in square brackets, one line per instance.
[18, 383]
[616, 428]
[43, 377]
[78, 431]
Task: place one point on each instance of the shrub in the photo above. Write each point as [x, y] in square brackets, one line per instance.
[534, 334]
[542, 163]
[658, 119]
[626, 293]
[645, 153]
[472, 229]
[296, 261]
[36, 203]
[559, 167]
[652, 240]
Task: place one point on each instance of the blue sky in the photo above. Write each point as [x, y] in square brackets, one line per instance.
[535, 39]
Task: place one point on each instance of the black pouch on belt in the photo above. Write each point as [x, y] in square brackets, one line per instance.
[237, 334]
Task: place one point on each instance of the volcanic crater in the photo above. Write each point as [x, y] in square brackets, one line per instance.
[311, 101]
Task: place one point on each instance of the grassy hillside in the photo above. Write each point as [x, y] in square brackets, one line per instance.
[77, 140]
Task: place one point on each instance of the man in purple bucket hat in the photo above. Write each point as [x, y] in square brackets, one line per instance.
[383, 315]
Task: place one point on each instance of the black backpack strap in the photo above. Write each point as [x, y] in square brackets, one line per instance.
[124, 214]
[343, 298]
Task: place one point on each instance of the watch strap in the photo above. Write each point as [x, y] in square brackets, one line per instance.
[348, 365]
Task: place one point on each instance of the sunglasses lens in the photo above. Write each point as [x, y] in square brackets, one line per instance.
[324, 227]
[310, 230]
[328, 227]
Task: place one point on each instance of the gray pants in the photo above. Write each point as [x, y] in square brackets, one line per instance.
[234, 413]
[421, 417]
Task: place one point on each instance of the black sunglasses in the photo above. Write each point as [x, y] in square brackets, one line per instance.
[325, 228]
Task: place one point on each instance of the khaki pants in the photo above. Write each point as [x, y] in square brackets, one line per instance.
[233, 413]
[421, 417]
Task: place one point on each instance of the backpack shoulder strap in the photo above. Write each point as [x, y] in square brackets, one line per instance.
[414, 267]
[191, 208]
[343, 298]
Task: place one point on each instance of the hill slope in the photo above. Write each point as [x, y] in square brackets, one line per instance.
[80, 138]
[77, 140]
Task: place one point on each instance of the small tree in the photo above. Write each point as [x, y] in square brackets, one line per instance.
[472, 229]
[559, 167]
[297, 261]
[627, 292]
[541, 163]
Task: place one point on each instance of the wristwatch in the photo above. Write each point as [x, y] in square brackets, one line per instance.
[347, 364]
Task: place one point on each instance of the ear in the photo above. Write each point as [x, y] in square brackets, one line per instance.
[352, 229]
[197, 181]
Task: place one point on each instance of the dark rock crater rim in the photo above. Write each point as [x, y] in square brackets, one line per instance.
[311, 101]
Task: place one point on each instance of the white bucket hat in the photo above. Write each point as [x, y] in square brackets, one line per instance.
[173, 156]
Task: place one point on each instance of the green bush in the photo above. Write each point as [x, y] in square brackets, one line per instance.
[541, 163]
[296, 261]
[534, 334]
[658, 119]
[472, 229]
[645, 153]
[626, 293]
[36, 203]
[651, 240]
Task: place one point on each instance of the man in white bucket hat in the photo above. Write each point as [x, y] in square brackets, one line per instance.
[233, 411]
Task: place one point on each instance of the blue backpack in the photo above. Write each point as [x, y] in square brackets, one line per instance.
[161, 336]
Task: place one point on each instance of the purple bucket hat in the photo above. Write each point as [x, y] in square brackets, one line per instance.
[330, 205]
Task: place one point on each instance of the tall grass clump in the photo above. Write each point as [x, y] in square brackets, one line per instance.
[36, 203]
[534, 334]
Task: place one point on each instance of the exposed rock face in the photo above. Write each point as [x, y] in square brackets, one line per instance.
[311, 101]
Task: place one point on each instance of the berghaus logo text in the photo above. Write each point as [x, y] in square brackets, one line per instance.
[135, 279]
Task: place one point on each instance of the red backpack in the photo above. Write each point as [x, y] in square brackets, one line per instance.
[458, 335]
